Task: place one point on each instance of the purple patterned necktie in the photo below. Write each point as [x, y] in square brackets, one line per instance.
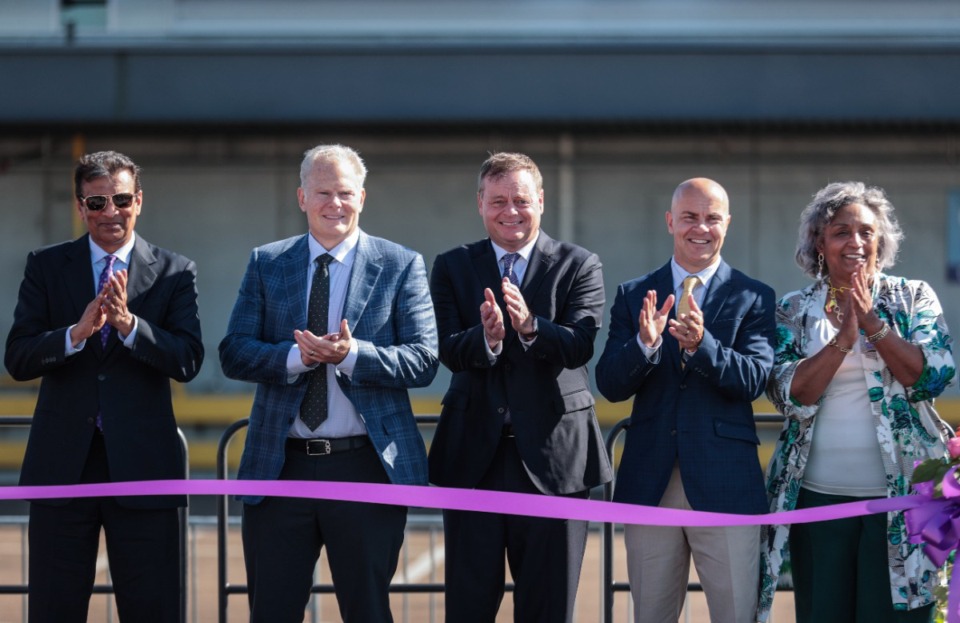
[105, 275]
[104, 278]
[509, 260]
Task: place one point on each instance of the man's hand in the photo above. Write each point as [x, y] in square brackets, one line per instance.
[115, 303]
[688, 328]
[330, 348]
[90, 322]
[652, 321]
[492, 319]
[520, 317]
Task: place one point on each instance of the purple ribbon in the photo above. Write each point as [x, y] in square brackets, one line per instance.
[936, 524]
[461, 499]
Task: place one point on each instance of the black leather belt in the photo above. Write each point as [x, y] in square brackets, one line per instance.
[323, 447]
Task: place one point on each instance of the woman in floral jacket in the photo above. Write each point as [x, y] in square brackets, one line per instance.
[860, 357]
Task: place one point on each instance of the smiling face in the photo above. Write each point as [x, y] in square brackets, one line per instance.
[510, 205]
[111, 227]
[698, 220]
[849, 242]
[332, 198]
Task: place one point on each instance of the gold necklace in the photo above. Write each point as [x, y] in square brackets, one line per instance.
[832, 305]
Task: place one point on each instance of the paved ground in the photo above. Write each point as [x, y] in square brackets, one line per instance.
[418, 564]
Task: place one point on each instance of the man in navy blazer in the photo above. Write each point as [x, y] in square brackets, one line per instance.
[517, 314]
[105, 321]
[691, 442]
[351, 361]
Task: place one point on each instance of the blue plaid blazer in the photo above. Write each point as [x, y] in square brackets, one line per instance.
[391, 316]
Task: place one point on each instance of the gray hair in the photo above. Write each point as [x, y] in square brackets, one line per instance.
[820, 212]
[332, 154]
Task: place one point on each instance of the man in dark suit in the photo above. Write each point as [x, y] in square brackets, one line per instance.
[334, 326]
[691, 442]
[105, 321]
[517, 315]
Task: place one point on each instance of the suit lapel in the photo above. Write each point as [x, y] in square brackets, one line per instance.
[485, 264]
[141, 275]
[293, 267]
[541, 261]
[367, 266]
[78, 275]
[716, 294]
[663, 285]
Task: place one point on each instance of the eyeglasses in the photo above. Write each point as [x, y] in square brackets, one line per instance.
[99, 202]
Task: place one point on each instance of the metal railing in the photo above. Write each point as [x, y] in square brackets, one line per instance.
[107, 589]
[609, 584]
[225, 589]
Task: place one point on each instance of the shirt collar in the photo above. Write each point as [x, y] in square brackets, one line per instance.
[679, 273]
[122, 254]
[525, 251]
[343, 252]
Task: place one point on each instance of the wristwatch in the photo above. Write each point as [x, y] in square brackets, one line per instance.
[526, 337]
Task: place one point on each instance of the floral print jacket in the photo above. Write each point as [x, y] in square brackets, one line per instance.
[908, 428]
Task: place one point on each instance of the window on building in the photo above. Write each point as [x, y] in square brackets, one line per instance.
[83, 15]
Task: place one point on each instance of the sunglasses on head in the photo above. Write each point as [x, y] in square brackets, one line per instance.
[99, 202]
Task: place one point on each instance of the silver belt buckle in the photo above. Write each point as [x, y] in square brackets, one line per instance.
[323, 450]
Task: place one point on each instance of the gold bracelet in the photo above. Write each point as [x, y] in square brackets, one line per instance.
[843, 350]
[879, 335]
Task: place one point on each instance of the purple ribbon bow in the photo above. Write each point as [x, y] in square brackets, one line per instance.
[936, 524]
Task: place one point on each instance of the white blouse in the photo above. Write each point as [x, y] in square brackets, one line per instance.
[844, 454]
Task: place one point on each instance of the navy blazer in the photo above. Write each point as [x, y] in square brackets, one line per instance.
[129, 387]
[546, 387]
[700, 416]
[390, 315]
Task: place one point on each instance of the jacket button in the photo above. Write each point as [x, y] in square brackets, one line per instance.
[683, 385]
[101, 377]
[500, 409]
[673, 432]
[89, 420]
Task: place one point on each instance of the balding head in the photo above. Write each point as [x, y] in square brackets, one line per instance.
[701, 187]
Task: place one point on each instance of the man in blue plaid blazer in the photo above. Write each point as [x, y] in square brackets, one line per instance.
[334, 326]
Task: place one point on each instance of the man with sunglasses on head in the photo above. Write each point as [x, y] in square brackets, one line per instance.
[105, 321]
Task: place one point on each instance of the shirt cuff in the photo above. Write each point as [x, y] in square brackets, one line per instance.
[651, 353]
[346, 366]
[492, 353]
[130, 339]
[70, 350]
[295, 365]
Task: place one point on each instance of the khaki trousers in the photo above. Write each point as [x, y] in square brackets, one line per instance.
[658, 566]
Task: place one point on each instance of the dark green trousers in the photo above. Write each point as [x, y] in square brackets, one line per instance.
[841, 571]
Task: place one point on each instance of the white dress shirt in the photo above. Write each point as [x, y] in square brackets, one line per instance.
[343, 420]
[98, 260]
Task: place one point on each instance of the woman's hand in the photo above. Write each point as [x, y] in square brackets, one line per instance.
[861, 298]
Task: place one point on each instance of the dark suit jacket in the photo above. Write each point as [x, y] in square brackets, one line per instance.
[546, 388]
[129, 387]
[390, 315]
[700, 415]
